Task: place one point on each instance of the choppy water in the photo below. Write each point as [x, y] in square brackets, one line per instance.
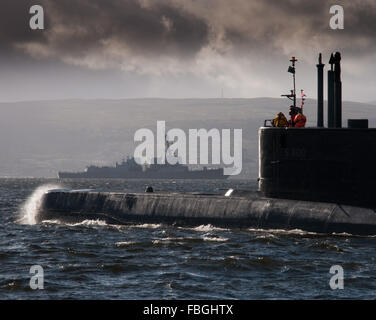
[93, 260]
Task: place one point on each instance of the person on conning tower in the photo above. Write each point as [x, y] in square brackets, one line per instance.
[300, 120]
[294, 111]
[280, 121]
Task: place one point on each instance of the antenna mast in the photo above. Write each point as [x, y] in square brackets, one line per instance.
[291, 69]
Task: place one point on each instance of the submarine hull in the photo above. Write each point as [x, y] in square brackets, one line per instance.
[247, 211]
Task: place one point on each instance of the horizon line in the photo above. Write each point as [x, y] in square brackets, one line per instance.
[167, 98]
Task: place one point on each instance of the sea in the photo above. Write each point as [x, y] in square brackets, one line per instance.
[91, 259]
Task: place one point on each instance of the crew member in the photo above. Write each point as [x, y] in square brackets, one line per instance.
[300, 120]
[280, 121]
[294, 111]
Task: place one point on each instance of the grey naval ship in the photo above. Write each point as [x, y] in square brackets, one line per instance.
[130, 169]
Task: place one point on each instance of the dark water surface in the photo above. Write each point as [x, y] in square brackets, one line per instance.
[93, 260]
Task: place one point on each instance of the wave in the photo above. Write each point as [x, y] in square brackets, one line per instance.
[125, 243]
[204, 228]
[145, 225]
[188, 239]
[97, 222]
[215, 239]
[283, 231]
[87, 222]
[29, 211]
[307, 233]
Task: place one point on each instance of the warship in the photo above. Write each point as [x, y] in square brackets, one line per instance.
[130, 169]
[317, 179]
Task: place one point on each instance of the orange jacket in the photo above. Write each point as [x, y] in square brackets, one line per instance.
[300, 120]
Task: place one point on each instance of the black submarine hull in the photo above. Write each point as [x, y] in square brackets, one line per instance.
[246, 211]
[319, 164]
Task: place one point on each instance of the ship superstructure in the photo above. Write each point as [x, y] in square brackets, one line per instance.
[130, 169]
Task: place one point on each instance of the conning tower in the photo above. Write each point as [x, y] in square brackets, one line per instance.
[329, 164]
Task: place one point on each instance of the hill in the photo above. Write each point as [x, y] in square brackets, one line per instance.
[40, 138]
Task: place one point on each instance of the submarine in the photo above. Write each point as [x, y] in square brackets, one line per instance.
[316, 179]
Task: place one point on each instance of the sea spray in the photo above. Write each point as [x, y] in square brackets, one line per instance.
[30, 209]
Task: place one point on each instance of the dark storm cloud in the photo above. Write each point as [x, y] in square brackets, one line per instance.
[79, 28]
[223, 42]
[81, 25]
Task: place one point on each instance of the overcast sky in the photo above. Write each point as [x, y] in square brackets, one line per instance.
[181, 48]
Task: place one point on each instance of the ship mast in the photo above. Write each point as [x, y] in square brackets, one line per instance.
[291, 69]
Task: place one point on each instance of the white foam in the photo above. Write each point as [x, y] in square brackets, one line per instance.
[31, 208]
[52, 222]
[97, 222]
[125, 243]
[205, 228]
[86, 222]
[268, 236]
[172, 239]
[146, 225]
[304, 233]
[282, 231]
[218, 239]
[182, 239]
